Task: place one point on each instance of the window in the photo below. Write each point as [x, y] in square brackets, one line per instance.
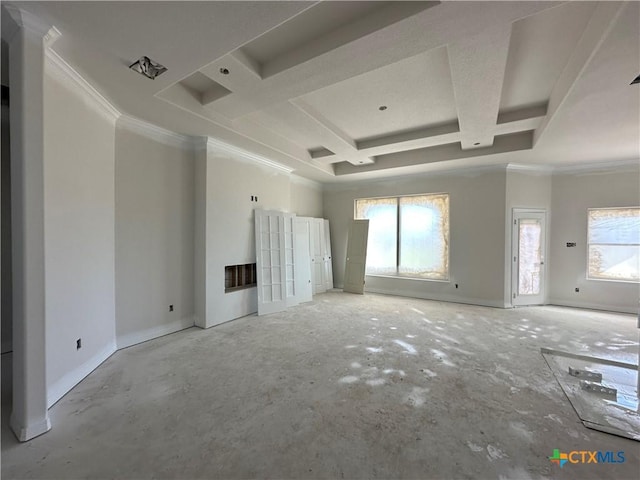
[408, 236]
[614, 244]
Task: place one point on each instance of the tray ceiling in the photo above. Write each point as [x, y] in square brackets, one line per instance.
[464, 83]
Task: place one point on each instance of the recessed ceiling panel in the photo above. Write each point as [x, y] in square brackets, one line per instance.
[322, 28]
[288, 122]
[540, 48]
[416, 92]
[203, 88]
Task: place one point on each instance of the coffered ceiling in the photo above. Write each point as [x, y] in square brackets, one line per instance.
[347, 90]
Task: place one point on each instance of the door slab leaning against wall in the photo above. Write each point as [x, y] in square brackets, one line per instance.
[356, 256]
[275, 256]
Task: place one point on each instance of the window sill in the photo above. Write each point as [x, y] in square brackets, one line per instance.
[611, 280]
[404, 277]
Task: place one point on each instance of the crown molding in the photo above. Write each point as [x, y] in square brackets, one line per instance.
[218, 146]
[306, 182]
[66, 73]
[156, 133]
[615, 165]
[531, 169]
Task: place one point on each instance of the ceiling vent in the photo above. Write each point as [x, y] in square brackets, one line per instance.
[148, 67]
[635, 80]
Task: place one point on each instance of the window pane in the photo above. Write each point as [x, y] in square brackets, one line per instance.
[381, 248]
[529, 256]
[614, 262]
[614, 225]
[424, 236]
[614, 244]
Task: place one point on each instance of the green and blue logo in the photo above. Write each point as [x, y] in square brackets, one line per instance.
[586, 456]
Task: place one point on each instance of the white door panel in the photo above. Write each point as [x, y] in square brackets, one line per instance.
[304, 286]
[328, 267]
[317, 257]
[356, 256]
[275, 261]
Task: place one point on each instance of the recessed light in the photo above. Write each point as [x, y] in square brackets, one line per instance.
[382, 108]
[635, 80]
[147, 67]
[477, 143]
[224, 71]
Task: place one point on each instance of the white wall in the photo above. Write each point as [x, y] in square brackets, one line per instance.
[525, 190]
[477, 206]
[229, 226]
[572, 195]
[154, 231]
[79, 235]
[305, 197]
[225, 182]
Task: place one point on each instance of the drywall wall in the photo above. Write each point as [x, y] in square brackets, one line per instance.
[528, 189]
[477, 241]
[79, 234]
[225, 226]
[305, 197]
[572, 195]
[7, 291]
[154, 236]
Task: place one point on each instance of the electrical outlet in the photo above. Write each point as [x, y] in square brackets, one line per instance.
[577, 289]
[171, 308]
[78, 344]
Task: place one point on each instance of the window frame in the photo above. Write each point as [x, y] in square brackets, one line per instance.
[448, 237]
[588, 245]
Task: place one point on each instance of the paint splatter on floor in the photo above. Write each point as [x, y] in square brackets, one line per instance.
[474, 448]
[375, 382]
[495, 453]
[410, 349]
[348, 379]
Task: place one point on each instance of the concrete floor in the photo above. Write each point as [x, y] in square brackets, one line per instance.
[347, 386]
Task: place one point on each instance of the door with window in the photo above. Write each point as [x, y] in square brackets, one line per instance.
[528, 257]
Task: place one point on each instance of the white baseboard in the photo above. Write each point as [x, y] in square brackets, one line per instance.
[60, 388]
[27, 432]
[439, 297]
[134, 338]
[593, 306]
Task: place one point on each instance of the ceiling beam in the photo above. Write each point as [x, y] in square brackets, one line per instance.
[602, 21]
[342, 145]
[477, 72]
[440, 153]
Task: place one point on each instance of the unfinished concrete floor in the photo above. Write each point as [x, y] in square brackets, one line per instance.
[347, 386]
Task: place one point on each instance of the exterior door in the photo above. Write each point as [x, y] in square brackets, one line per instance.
[356, 257]
[528, 254]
